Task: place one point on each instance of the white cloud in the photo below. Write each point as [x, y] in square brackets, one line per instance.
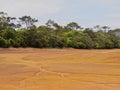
[31, 7]
[85, 12]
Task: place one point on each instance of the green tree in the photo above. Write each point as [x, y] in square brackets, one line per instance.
[72, 26]
[6, 22]
[28, 22]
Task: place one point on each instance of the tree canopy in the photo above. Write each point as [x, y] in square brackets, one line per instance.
[22, 32]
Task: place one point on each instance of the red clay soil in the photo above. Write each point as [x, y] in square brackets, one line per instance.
[59, 69]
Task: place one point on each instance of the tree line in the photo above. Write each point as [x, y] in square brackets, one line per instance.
[22, 32]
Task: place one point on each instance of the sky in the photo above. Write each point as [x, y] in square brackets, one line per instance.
[87, 13]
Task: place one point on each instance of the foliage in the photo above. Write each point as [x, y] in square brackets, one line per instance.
[52, 35]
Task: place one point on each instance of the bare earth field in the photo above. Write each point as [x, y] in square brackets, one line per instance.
[59, 69]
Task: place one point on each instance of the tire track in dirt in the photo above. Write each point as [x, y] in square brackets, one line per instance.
[42, 69]
[64, 74]
[37, 74]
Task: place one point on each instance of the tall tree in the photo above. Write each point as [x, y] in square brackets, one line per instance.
[97, 27]
[28, 22]
[6, 22]
[73, 26]
[106, 28]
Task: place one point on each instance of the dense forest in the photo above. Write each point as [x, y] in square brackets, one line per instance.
[22, 32]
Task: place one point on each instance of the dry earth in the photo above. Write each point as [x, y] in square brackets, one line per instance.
[59, 69]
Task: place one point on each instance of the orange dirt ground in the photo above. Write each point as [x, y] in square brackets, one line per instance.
[59, 69]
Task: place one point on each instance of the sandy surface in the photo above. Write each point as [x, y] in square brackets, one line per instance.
[59, 69]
